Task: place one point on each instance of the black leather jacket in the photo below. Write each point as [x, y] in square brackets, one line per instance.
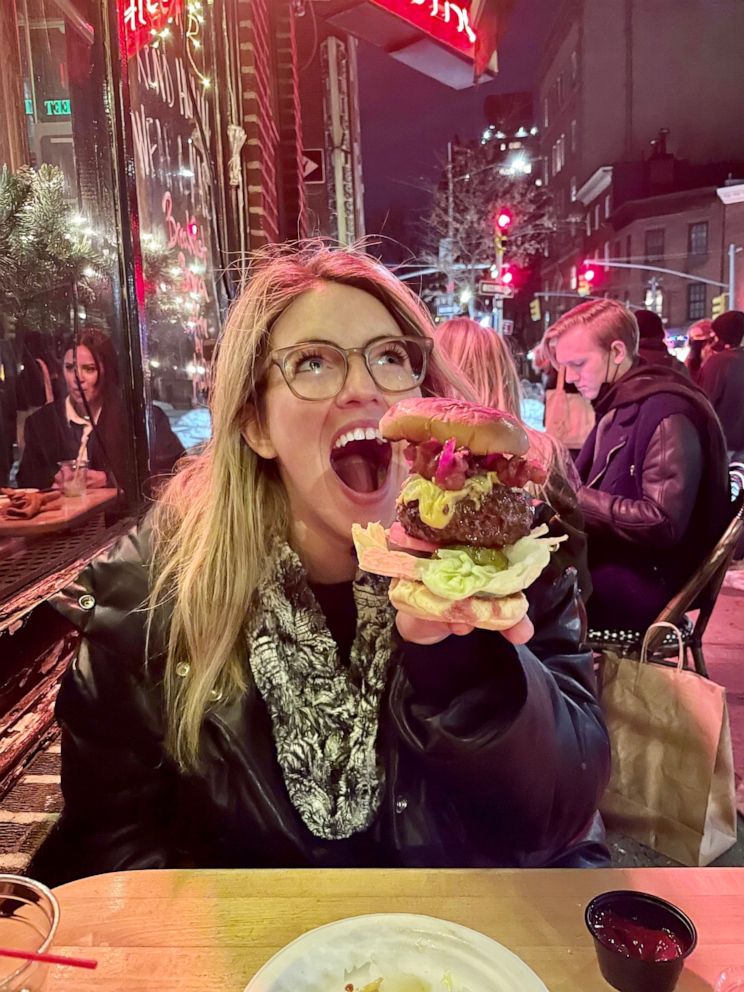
[493, 755]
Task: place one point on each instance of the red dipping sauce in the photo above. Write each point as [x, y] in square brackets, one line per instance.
[633, 940]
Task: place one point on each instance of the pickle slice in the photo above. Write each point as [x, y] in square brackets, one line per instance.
[483, 556]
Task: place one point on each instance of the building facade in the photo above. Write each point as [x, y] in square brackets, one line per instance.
[604, 62]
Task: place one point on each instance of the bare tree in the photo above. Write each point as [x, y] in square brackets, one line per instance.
[457, 233]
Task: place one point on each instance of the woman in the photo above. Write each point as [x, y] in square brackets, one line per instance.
[89, 423]
[486, 362]
[700, 341]
[260, 708]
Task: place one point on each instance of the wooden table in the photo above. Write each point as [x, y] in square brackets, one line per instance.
[71, 511]
[210, 931]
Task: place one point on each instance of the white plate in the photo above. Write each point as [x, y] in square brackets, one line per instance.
[411, 953]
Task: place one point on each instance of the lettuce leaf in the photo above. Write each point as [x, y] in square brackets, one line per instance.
[454, 575]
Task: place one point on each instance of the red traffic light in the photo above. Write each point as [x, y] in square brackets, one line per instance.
[507, 276]
[589, 274]
[503, 220]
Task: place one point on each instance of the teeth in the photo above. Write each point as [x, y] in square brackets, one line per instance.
[359, 434]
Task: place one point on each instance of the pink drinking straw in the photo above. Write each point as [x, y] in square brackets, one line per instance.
[7, 952]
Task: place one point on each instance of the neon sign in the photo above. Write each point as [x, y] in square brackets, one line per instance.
[442, 20]
[145, 18]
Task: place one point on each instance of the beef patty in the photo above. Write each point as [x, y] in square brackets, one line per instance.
[502, 518]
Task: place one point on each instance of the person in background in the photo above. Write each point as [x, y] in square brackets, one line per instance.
[655, 493]
[700, 341]
[722, 379]
[652, 346]
[89, 423]
[484, 358]
[244, 696]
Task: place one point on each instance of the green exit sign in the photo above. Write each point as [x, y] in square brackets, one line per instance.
[57, 108]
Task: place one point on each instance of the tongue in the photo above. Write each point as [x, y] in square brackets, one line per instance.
[357, 472]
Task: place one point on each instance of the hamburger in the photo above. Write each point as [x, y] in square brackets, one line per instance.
[463, 546]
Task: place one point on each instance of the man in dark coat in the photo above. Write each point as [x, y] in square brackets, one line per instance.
[722, 379]
[655, 492]
[652, 346]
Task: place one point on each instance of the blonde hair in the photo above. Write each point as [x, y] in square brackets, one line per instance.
[608, 321]
[486, 361]
[220, 518]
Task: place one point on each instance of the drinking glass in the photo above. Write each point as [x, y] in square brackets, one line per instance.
[29, 915]
[731, 980]
[74, 477]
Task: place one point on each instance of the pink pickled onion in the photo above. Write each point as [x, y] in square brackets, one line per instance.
[446, 462]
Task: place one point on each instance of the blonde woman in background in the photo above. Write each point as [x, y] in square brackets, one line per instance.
[484, 358]
[242, 697]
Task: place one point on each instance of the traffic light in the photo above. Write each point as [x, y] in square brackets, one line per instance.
[501, 223]
[587, 278]
[535, 311]
[718, 305]
[503, 220]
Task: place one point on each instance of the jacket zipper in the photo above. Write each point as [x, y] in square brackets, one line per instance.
[610, 453]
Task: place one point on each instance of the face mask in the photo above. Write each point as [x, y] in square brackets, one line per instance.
[608, 383]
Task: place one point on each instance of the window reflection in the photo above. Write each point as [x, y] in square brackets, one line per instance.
[66, 454]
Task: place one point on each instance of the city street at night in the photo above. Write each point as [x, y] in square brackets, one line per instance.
[371, 495]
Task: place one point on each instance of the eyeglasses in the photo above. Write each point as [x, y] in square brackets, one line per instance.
[317, 370]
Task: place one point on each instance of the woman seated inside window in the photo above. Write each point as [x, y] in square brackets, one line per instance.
[89, 423]
[244, 696]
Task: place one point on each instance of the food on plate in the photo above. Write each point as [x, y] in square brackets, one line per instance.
[23, 504]
[394, 983]
[463, 546]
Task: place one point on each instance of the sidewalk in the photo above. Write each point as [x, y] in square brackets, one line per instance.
[724, 656]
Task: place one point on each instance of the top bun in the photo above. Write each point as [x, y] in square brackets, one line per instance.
[482, 429]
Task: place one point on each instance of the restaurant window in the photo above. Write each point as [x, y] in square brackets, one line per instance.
[172, 83]
[66, 454]
[655, 245]
[697, 238]
[697, 303]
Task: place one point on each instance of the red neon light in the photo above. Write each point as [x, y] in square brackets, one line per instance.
[143, 19]
[442, 20]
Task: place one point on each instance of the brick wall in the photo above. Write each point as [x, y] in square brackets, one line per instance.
[269, 105]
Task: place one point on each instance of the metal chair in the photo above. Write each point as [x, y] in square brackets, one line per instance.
[700, 592]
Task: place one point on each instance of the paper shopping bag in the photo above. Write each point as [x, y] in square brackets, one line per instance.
[672, 783]
[568, 416]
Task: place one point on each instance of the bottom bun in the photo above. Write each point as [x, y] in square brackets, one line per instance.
[492, 614]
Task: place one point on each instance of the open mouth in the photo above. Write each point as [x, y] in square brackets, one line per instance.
[361, 459]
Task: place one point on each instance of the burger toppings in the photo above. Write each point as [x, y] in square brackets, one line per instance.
[449, 466]
[361, 459]
[490, 519]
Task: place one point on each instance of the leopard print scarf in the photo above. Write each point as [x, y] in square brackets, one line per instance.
[324, 715]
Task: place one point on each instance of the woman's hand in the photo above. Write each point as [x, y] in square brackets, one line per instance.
[433, 631]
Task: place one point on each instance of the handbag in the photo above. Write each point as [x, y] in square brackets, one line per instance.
[672, 783]
[568, 416]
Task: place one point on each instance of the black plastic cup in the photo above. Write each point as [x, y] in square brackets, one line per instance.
[631, 974]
